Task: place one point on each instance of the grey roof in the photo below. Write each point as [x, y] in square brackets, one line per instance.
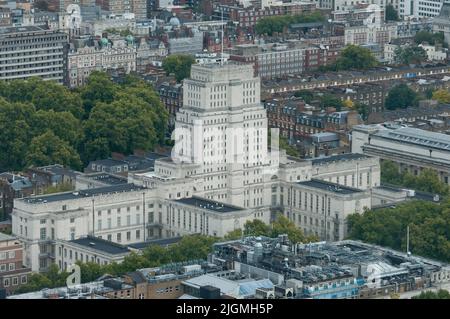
[208, 204]
[4, 237]
[417, 136]
[159, 242]
[137, 277]
[108, 162]
[102, 245]
[107, 178]
[16, 182]
[9, 30]
[338, 158]
[82, 193]
[332, 187]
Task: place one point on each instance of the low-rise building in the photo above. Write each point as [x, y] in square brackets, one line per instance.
[413, 149]
[84, 61]
[12, 272]
[434, 52]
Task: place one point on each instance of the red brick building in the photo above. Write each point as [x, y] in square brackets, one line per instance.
[12, 272]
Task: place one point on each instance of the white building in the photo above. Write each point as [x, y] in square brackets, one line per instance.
[434, 53]
[221, 175]
[413, 149]
[369, 34]
[82, 62]
[419, 8]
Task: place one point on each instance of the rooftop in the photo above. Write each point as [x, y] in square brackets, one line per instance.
[5, 237]
[107, 178]
[102, 245]
[417, 136]
[331, 187]
[159, 242]
[209, 204]
[82, 193]
[338, 158]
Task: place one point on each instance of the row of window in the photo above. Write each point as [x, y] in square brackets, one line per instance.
[7, 255]
[7, 267]
[7, 282]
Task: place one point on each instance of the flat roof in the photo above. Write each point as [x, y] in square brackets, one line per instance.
[417, 136]
[159, 242]
[82, 193]
[209, 204]
[332, 187]
[338, 158]
[101, 245]
[4, 237]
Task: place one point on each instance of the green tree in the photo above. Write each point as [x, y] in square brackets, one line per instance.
[441, 95]
[291, 150]
[234, 234]
[426, 181]
[440, 294]
[306, 95]
[278, 24]
[355, 57]
[48, 148]
[15, 134]
[400, 97]
[391, 13]
[362, 110]
[328, 100]
[410, 55]
[99, 88]
[256, 228]
[49, 95]
[429, 224]
[429, 37]
[179, 65]
[124, 125]
[64, 187]
[63, 124]
[283, 225]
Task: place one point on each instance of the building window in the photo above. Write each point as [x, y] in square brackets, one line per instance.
[6, 282]
[119, 237]
[138, 234]
[128, 235]
[43, 233]
[23, 280]
[72, 220]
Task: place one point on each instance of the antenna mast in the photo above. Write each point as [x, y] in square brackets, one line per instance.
[221, 42]
[407, 240]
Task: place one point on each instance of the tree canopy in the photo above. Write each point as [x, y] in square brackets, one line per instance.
[43, 122]
[429, 225]
[355, 57]
[400, 97]
[179, 65]
[440, 294]
[281, 225]
[278, 24]
[429, 37]
[441, 95]
[391, 13]
[426, 181]
[411, 54]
